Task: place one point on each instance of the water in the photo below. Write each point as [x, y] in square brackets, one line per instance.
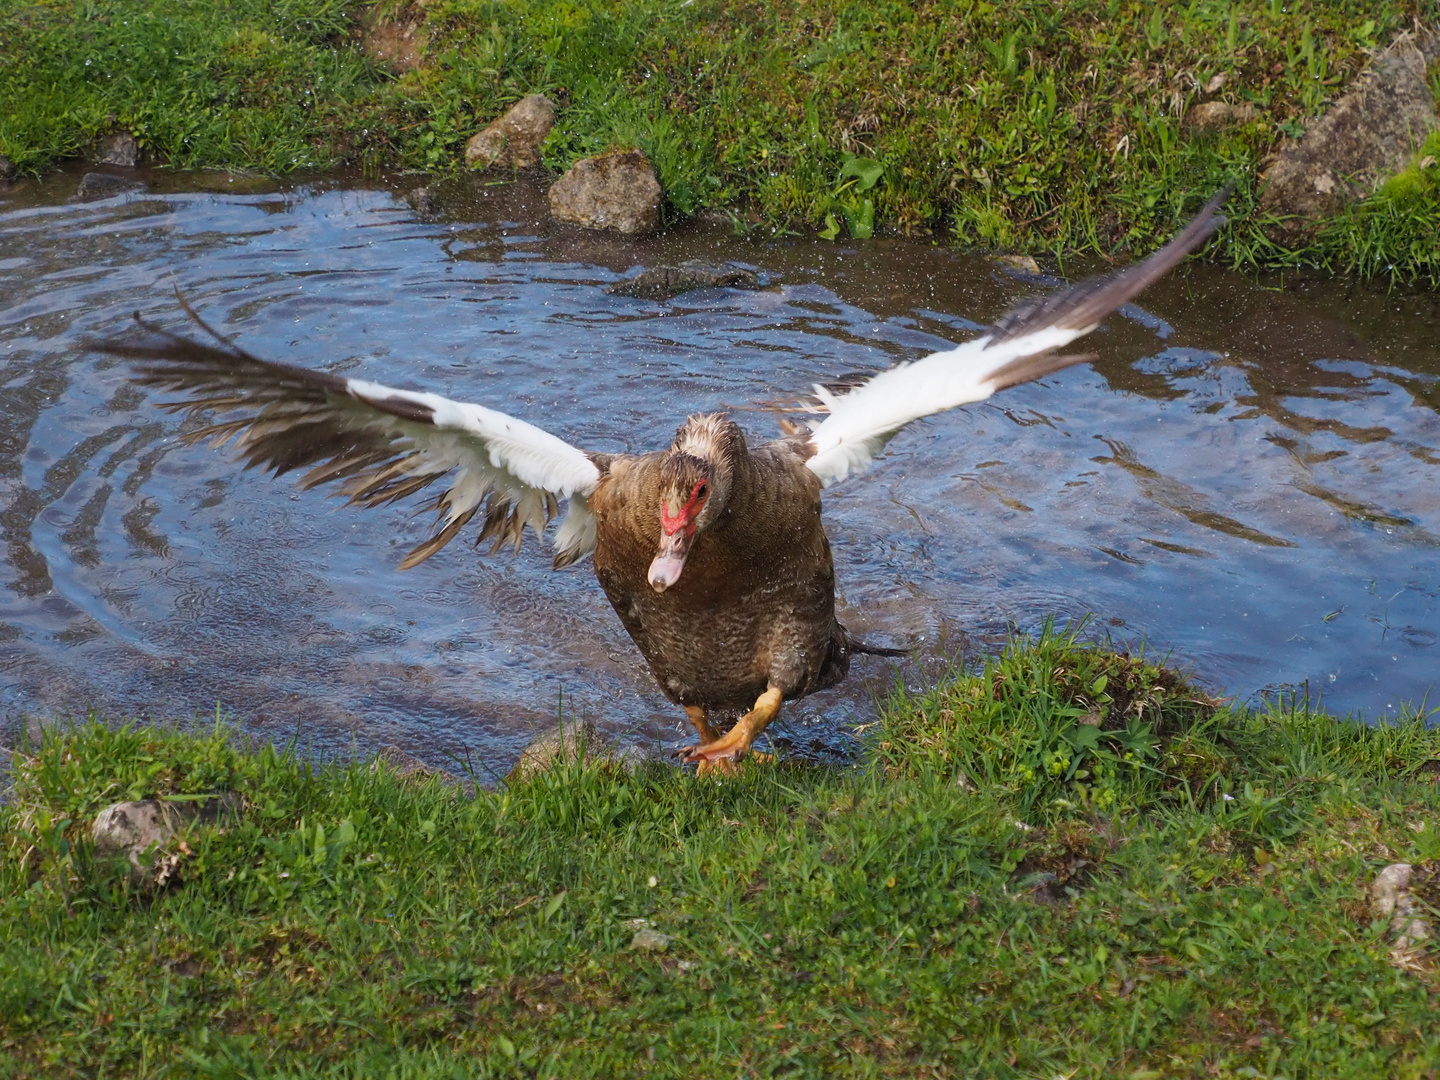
[1245, 478]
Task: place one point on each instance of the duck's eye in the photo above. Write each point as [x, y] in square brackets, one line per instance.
[702, 489]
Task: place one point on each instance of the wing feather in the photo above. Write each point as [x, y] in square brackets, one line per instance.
[379, 444]
[1022, 346]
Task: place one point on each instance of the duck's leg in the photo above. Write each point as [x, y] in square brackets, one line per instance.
[700, 718]
[747, 729]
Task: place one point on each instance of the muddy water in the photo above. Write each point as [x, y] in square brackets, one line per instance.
[1247, 478]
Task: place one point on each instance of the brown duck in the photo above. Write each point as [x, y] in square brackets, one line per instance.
[711, 551]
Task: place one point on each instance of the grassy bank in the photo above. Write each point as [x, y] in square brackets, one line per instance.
[1176, 890]
[1027, 125]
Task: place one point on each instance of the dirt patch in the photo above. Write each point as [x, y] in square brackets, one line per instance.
[396, 42]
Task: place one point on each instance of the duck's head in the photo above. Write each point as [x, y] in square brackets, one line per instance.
[695, 485]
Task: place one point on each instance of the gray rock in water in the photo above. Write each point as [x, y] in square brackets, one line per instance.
[120, 150]
[99, 185]
[140, 832]
[7, 168]
[515, 139]
[663, 282]
[566, 742]
[1393, 898]
[423, 201]
[403, 765]
[613, 191]
[1366, 136]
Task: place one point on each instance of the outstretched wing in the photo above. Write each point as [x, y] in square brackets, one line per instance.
[1018, 348]
[380, 444]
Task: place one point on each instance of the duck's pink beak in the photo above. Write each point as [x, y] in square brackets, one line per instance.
[669, 561]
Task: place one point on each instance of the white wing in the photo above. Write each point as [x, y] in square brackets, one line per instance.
[1018, 348]
[380, 443]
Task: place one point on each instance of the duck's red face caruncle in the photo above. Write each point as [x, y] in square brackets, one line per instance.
[679, 522]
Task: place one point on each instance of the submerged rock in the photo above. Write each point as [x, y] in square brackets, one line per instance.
[403, 765]
[613, 191]
[99, 185]
[120, 150]
[515, 139]
[565, 742]
[1366, 136]
[140, 832]
[663, 282]
[423, 201]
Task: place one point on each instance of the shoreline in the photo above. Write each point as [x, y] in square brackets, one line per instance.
[1083, 131]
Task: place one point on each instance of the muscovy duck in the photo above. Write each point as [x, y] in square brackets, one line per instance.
[711, 552]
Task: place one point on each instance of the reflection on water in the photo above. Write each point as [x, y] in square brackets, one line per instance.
[1245, 478]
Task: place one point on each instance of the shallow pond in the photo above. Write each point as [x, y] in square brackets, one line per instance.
[1246, 479]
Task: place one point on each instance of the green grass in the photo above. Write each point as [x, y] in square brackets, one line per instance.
[1028, 125]
[1132, 880]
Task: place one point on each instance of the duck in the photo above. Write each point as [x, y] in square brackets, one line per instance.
[712, 551]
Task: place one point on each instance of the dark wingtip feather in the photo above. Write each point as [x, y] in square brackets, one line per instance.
[1085, 304]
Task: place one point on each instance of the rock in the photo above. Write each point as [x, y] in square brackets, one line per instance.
[663, 282]
[99, 185]
[7, 168]
[648, 940]
[404, 766]
[1213, 115]
[423, 201]
[515, 138]
[1367, 135]
[140, 832]
[566, 742]
[393, 44]
[1024, 263]
[1393, 897]
[120, 150]
[613, 191]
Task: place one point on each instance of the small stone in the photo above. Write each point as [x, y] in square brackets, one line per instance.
[1216, 83]
[566, 742]
[1023, 263]
[1213, 115]
[7, 168]
[648, 940]
[613, 191]
[402, 765]
[1392, 898]
[423, 201]
[964, 783]
[120, 150]
[397, 45]
[515, 139]
[99, 185]
[140, 832]
[663, 282]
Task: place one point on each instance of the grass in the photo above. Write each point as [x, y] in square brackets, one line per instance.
[1131, 879]
[1031, 126]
